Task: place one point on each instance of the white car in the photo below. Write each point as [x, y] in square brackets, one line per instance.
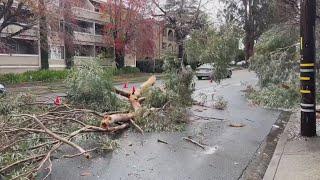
[206, 71]
[241, 63]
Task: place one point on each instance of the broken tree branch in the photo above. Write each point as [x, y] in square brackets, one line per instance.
[136, 126]
[57, 136]
[194, 142]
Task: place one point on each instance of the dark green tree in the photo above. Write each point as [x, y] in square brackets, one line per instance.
[43, 31]
[255, 16]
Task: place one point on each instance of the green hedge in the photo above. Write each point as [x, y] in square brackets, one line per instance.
[127, 70]
[33, 76]
[124, 70]
[148, 66]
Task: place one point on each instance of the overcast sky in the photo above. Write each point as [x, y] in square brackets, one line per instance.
[212, 8]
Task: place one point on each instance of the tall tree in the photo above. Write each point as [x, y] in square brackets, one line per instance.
[68, 35]
[129, 26]
[183, 16]
[254, 16]
[21, 14]
[43, 35]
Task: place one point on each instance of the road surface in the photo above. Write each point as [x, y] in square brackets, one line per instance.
[228, 150]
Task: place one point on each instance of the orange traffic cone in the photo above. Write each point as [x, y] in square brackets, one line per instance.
[133, 89]
[57, 101]
[125, 86]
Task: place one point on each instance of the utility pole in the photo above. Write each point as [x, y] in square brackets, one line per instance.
[307, 68]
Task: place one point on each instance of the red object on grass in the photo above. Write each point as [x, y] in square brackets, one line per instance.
[58, 101]
[133, 89]
[125, 85]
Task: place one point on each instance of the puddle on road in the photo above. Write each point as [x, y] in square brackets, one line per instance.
[211, 150]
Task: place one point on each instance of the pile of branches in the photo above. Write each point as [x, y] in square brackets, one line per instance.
[60, 126]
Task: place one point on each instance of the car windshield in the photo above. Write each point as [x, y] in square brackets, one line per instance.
[206, 66]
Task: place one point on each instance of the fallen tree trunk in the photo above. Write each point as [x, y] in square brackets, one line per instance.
[115, 118]
[135, 100]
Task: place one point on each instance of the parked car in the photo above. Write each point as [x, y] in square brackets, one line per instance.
[2, 89]
[241, 63]
[206, 71]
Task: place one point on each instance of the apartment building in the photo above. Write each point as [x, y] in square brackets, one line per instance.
[164, 42]
[23, 52]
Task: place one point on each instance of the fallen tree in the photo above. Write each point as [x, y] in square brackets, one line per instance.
[135, 100]
[49, 125]
[35, 130]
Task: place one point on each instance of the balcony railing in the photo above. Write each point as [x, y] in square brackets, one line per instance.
[86, 37]
[90, 15]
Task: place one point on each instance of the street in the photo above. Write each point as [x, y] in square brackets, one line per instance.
[228, 150]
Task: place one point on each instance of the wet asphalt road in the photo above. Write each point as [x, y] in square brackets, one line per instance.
[227, 154]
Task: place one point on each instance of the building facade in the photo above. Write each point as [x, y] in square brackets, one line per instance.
[23, 52]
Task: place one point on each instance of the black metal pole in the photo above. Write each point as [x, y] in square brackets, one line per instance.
[307, 68]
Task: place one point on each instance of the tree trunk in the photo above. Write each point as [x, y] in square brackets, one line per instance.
[249, 29]
[119, 57]
[119, 51]
[181, 52]
[68, 35]
[44, 47]
[249, 46]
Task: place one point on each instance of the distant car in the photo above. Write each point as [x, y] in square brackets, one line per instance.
[206, 71]
[2, 89]
[232, 63]
[241, 63]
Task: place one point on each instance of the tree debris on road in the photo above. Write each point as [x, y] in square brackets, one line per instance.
[237, 125]
[194, 142]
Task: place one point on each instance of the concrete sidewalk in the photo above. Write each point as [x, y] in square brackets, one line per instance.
[295, 157]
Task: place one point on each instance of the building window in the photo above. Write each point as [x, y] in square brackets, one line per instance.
[56, 52]
[164, 45]
[105, 52]
[84, 50]
[99, 29]
[96, 6]
[84, 26]
[164, 32]
[20, 46]
[170, 35]
[61, 26]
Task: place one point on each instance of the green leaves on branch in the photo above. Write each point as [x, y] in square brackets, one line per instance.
[89, 85]
[277, 66]
[213, 46]
[277, 60]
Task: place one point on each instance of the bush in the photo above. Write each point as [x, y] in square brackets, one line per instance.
[179, 83]
[156, 98]
[221, 103]
[172, 119]
[275, 97]
[159, 66]
[125, 70]
[90, 86]
[151, 66]
[145, 66]
[33, 76]
[17, 103]
[276, 60]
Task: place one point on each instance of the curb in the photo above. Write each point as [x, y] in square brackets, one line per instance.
[274, 163]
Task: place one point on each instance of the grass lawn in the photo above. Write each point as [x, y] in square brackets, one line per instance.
[38, 88]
